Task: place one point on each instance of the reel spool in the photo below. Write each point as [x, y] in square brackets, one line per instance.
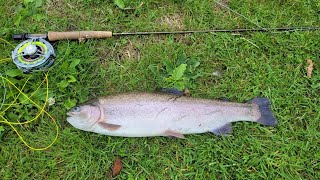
[35, 54]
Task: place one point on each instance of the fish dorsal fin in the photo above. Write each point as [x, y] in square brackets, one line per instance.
[223, 130]
[173, 134]
[108, 126]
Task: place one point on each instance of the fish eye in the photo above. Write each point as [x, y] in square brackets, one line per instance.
[76, 109]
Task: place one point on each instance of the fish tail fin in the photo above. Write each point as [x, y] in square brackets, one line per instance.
[267, 117]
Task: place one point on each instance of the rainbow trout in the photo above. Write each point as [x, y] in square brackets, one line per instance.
[147, 114]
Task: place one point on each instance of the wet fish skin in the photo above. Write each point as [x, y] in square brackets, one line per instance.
[148, 114]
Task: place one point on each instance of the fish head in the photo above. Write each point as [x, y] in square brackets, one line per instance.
[84, 116]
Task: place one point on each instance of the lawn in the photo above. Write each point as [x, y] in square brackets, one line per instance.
[232, 65]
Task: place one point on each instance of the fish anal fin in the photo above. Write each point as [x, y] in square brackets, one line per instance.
[223, 130]
[173, 134]
[109, 127]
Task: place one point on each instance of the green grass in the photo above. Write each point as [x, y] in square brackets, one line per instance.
[253, 64]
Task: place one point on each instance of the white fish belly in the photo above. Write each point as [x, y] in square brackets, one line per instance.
[153, 117]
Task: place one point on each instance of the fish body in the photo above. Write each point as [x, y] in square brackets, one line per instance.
[148, 114]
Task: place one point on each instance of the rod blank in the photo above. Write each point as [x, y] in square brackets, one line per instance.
[220, 30]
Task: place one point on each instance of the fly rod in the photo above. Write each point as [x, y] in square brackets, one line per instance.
[82, 35]
[35, 53]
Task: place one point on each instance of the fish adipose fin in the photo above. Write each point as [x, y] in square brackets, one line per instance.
[173, 134]
[223, 130]
[267, 118]
[108, 126]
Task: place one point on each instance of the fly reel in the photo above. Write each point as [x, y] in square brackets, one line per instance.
[35, 54]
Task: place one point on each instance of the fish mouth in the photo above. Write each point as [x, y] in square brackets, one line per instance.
[69, 114]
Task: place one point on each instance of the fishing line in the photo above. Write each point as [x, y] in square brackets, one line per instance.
[226, 7]
[5, 60]
[5, 92]
[42, 109]
[17, 96]
[7, 42]
[4, 84]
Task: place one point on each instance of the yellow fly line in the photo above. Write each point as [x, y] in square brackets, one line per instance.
[13, 103]
[37, 116]
[7, 42]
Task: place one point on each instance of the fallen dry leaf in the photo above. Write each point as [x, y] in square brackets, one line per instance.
[187, 93]
[117, 166]
[310, 68]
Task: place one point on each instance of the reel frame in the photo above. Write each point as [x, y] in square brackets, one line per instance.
[34, 54]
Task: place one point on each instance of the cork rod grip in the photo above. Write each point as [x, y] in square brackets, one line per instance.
[78, 35]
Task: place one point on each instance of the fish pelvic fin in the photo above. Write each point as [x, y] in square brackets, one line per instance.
[223, 130]
[173, 134]
[267, 117]
[108, 126]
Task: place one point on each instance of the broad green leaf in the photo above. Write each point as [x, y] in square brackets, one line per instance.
[70, 103]
[4, 31]
[26, 2]
[119, 3]
[12, 116]
[64, 66]
[39, 17]
[179, 85]
[17, 19]
[196, 75]
[23, 99]
[178, 72]
[14, 72]
[182, 59]
[15, 81]
[169, 79]
[194, 63]
[63, 84]
[25, 12]
[169, 66]
[38, 3]
[73, 64]
[40, 94]
[71, 79]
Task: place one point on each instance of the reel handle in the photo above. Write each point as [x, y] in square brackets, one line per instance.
[78, 35]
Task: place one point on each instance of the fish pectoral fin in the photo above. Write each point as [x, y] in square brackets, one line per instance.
[173, 134]
[223, 130]
[108, 126]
